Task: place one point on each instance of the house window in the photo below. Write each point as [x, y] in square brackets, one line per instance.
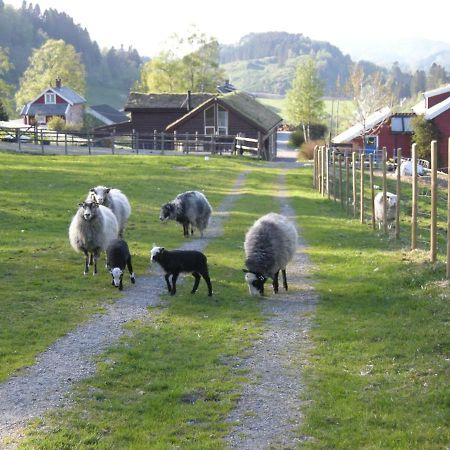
[50, 98]
[401, 125]
[216, 120]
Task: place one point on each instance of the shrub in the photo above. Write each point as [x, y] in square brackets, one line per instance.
[307, 149]
[56, 123]
[424, 131]
[296, 138]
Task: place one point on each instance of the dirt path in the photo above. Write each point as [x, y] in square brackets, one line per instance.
[46, 385]
[269, 411]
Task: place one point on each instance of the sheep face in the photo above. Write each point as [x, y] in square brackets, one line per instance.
[117, 275]
[155, 252]
[255, 282]
[89, 210]
[167, 212]
[99, 194]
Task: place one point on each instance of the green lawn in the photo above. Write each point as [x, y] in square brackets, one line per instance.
[378, 375]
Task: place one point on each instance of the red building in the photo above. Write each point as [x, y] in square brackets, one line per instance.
[59, 101]
[393, 130]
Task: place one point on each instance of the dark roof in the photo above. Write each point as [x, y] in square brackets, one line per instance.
[226, 87]
[110, 113]
[49, 109]
[69, 94]
[136, 100]
[243, 104]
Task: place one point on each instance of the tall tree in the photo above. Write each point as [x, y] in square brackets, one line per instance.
[304, 104]
[198, 70]
[54, 59]
[6, 89]
[370, 94]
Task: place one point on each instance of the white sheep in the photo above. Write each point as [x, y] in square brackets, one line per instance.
[92, 229]
[115, 200]
[189, 208]
[391, 209]
[269, 245]
[406, 168]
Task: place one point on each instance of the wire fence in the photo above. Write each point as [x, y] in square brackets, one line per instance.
[422, 213]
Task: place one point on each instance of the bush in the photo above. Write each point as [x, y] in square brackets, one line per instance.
[307, 149]
[56, 123]
[424, 131]
[296, 138]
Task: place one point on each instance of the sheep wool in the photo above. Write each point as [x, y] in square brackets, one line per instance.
[190, 208]
[269, 245]
[91, 230]
[115, 200]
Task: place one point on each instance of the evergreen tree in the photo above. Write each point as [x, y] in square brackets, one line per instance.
[3, 114]
[304, 104]
[6, 89]
[424, 131]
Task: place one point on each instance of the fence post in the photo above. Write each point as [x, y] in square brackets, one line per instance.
[89, 142]
[65, 142]
[315, 167]
[354, 183]
[414, 197]
[57, 134]
[372, 190]
[175, 139]
[335, 184]
[341, 196]
[399, 187]
[196, 142]
[186, 146]
[347, 183]
[383, 162]
[323, 161]
[362, 217]
[448, 211]
[154, 140]
[42, 142]
[433, 227]
[327, 170]
[112, 143]
[163, 142]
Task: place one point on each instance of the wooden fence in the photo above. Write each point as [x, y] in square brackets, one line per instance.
[423, 203]
[46, 141]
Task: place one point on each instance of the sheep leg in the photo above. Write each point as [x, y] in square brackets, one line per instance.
[275, 282]
[169, 287]
[86, 262]
[205, 276]
[285, 285]
[185, 229]
[174, 283]
[130, 269]
[96, 256]
[196, 282]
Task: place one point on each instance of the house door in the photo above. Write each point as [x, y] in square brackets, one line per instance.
[371, 143]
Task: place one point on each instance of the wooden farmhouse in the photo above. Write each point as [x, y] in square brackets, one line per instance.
[59, 101]
[222, 114]
[393, 130]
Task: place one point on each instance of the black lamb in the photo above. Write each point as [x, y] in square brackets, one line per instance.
[182, 261]
[117, 258]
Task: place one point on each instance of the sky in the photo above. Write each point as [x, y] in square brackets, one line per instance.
[147, 24]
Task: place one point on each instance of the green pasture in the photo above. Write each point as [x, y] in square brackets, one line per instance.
[378, 371]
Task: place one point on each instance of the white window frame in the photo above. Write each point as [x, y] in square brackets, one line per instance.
[216, 129]
[50, 98]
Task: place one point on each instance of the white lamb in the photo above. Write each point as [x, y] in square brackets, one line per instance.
[115, 200]
[92, 229]
[391, 209]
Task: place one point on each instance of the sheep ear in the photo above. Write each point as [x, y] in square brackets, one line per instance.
[81, 204]
[108, 189]
[245, 270]
[91, 190]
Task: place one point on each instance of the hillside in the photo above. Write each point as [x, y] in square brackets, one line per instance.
[265, 62]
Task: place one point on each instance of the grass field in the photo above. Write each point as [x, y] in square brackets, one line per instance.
[378, 375]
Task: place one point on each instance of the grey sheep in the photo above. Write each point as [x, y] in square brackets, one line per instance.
[92, 229]
[190, 209]
[269, 245]
[115, 200]
[391, 209]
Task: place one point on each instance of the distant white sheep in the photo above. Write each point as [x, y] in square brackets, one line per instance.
[269, 245]
[190, 209]
[391, 209]
[406, 168]
[115, 200]
[91, 230]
